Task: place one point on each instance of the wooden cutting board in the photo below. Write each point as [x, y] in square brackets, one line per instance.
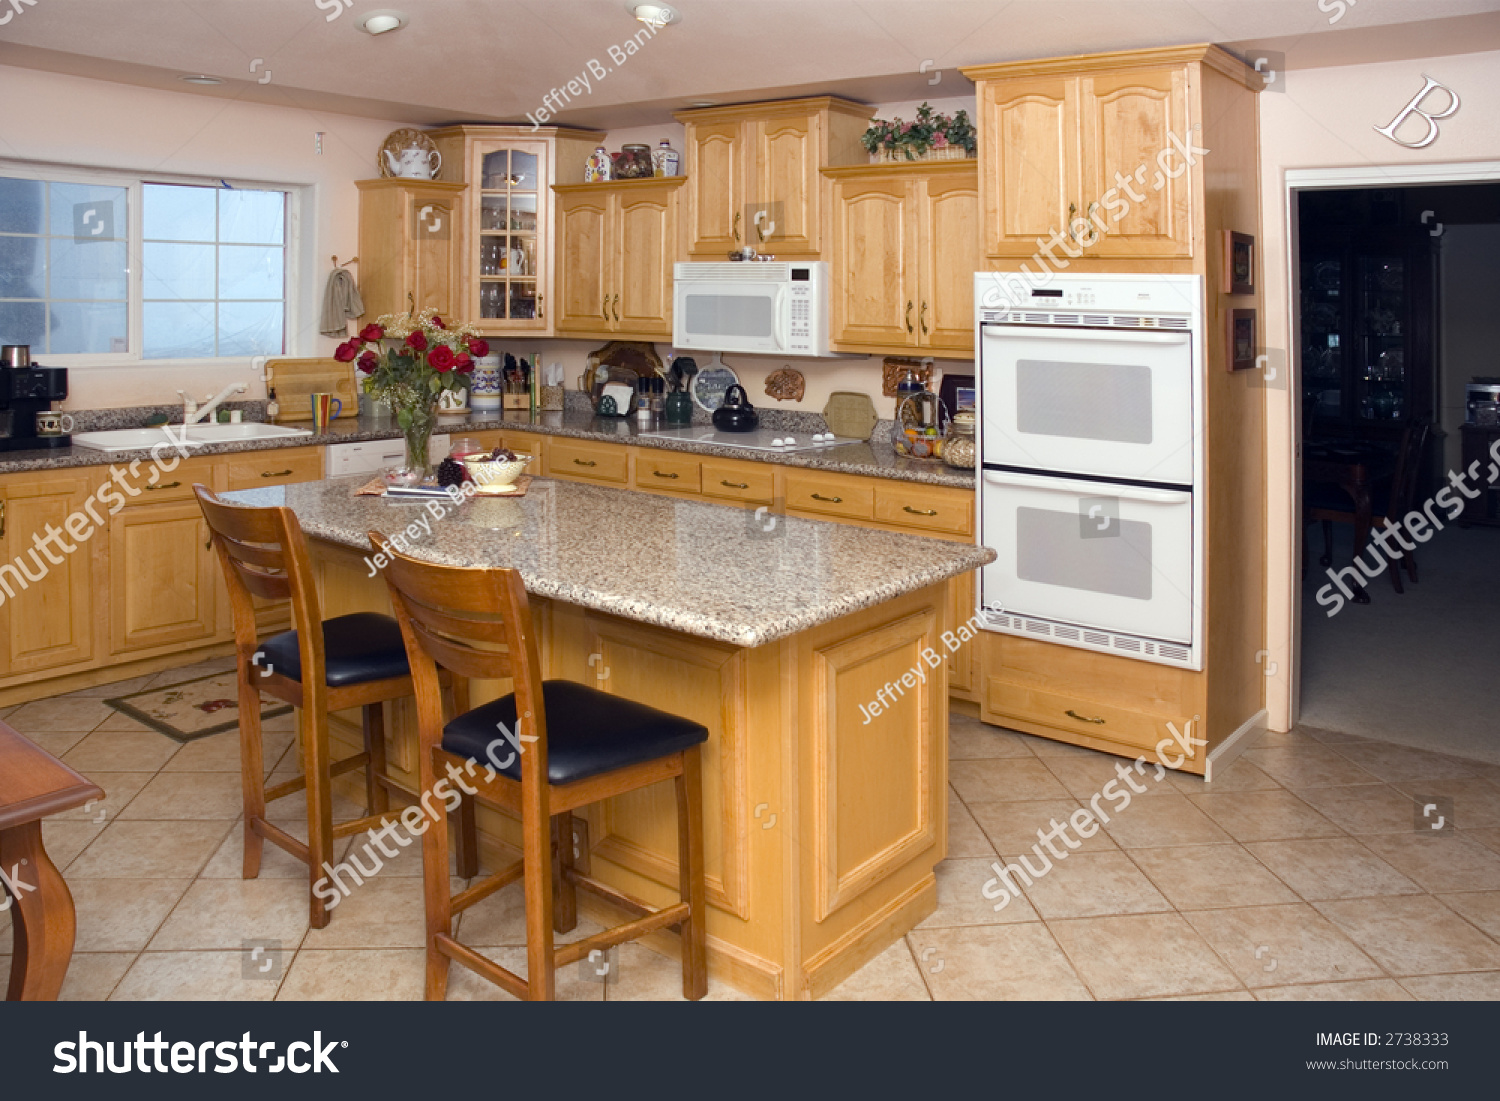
[296, 380]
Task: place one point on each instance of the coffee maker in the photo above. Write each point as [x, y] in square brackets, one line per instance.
[26, 391]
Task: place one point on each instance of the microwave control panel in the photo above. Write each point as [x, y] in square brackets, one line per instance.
[800, 322]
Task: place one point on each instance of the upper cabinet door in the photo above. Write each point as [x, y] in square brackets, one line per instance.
[715, 171]
[645, 246]
[782, 215]
[874, 273]
[1029, 153]
[433, 221]
[1136, 179]
[950, 234]
[583, 267]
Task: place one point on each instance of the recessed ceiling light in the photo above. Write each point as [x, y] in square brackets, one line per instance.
[379, 22]
[200, 79]
[658, 15]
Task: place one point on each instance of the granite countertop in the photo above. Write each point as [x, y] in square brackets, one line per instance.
[874, 459]
[703, 569]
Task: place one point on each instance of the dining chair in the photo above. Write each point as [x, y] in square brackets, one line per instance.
[1391, 499]
[539, 754]
[320, 666]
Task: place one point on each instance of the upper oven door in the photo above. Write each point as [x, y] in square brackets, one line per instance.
[729, 317]
[1112, 403]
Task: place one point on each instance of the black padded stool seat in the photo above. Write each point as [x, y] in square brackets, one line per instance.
[589, 732]
[358, 648]
[1326, 495]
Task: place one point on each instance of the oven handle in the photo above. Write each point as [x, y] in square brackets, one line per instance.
[1112, 336]
[1090, 489]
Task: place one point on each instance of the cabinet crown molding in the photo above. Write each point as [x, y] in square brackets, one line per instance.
[1215, 57]
[736, 111]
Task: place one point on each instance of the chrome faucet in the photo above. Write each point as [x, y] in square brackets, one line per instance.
[193, 413]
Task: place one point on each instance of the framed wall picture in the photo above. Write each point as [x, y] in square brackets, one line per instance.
[1242, 340]
[1239, 263]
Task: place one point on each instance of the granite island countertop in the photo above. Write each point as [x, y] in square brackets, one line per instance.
[875, 460]
[702, 569]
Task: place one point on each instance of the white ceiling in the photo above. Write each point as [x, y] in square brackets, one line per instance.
[494, 60]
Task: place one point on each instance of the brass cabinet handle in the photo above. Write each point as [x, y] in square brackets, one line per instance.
[604, 308]
[168, 485]
[616, 307]
[1083, 718]
[275, 473]
[659, 474]
[736, 227]
[923, 316]
[921, 511]
[584, 462]
[735, 485]
[2, 519]
[909, 305]
[540, 315]
[1072, 210]
[830, 500]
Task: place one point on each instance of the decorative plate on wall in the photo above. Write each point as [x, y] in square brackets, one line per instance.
[711, 384]
[397, 141]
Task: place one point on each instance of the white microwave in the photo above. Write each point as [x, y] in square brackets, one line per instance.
[750, 306]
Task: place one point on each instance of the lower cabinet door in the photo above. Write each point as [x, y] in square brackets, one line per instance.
[47, 598]
[162, 578]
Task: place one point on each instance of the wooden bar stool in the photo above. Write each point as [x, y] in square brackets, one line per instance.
[570, 746]
[321, 666]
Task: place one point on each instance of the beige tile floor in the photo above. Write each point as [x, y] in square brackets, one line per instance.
[1300, 874]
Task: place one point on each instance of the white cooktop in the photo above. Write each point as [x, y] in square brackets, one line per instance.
[762, 439]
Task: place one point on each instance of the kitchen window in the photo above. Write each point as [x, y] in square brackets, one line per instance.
[98, 269]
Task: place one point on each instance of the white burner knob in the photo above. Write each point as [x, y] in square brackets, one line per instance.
[791, 440]
[778, 442]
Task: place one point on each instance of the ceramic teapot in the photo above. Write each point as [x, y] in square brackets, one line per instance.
[414, 163]
[736, 414]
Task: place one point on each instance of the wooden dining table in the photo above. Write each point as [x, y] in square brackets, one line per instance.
[33, 785]
[1354, 468]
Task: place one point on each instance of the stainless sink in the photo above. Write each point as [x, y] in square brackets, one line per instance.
[194, 435]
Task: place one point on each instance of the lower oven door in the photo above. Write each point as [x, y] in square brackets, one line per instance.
[1119, 558]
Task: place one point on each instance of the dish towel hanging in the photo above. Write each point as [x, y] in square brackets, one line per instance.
[341, 303]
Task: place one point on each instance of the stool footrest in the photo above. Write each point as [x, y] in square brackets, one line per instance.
[483, 889]
[281, 839]
[615, 898]
[565, 954]
[299, 783]
[508, 980]
[359, 825]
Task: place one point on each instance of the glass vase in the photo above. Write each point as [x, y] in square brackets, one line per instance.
[416, 427]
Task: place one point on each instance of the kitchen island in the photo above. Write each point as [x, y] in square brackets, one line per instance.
[812, 651]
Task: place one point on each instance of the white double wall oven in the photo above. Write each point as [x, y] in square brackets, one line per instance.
[1091, 433]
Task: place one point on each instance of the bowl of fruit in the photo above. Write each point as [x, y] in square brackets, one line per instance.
[497, 471]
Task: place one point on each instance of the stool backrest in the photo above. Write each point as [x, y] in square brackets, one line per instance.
[474, 622]
[264, 553]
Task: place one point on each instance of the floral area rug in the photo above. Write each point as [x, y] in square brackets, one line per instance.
[193, 709]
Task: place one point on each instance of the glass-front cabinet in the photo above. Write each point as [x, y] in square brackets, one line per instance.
[506, 257]
[1366, 329]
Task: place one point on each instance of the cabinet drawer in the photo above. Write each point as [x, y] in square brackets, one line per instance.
[1003, 699]
[832, 495]
[664, 470]
[157, 487]
[739, 481]
[919, 507]
[274, 468]
[596, 462]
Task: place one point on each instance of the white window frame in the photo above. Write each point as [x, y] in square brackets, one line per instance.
[134, 183]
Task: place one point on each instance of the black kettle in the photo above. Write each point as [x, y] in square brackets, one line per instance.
[736, 414]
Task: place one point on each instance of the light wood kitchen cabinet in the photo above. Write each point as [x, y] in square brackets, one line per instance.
[594, 462]
[905, 249]
[162, 578]
[505, 261]
[1091, 148]
[47, 609]
[616, 246]
[753, 173]
[407, 235]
